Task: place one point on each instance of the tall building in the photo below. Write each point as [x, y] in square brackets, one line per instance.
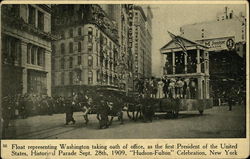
[87, 52]
[26, 49]
[148, 67]
[121, 14]
[225, 37]
[142, 28]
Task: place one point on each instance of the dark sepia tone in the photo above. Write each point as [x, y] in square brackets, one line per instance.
[133, 71]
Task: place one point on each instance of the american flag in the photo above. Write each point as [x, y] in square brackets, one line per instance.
[178, 41]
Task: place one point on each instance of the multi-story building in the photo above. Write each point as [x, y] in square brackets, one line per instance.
[87, 52]
[121, 15]
[226, 39]
[26, 49]
[140, 42]
[148, 67]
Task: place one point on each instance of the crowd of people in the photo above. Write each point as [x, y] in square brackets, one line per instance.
[167, 87]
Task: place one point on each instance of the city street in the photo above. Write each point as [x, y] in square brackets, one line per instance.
[215, 122]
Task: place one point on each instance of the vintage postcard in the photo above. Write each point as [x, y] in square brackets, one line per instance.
[124, 79]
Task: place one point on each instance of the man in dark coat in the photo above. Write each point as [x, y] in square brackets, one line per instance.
[69, 111]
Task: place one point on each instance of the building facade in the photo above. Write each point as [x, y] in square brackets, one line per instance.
[26, 49]
[121, 14]
[142, 43]
[87, 52]
[226, 39]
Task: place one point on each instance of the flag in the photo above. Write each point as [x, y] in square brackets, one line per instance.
[178, 41]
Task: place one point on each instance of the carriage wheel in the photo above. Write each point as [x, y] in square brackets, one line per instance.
[201, 112]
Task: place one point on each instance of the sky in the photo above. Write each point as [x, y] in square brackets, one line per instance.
[170, 17]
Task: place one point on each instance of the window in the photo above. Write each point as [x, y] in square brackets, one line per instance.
[90, 34]
[70, 77]
[28, 53]
[70, 62]
[32, 15]
[79, 60]
[41, 20]
[70, 47]
[90, 31]
[90, 61]
[71, 33]
[90, 77]
[39, 57]
[90, 46]
[33, 51]
[14, 10]
[62, 63]
[79, 47]
[62, 78]
[79, 31]
[62, 48]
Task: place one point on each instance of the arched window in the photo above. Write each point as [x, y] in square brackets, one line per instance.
[70, 47]
[62, 48]
[90, 61]
[79, 31]
[90, 31]
[79, 46]
[90, 34]
[71, 33]
[90, 77]
[70, 62]
[90, 47]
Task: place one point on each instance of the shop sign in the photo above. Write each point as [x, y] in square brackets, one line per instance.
[130, 30]
[219, 43]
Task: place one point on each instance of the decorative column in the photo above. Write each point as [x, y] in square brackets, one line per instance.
[23, 64]
[198, 65]
[173, 61]
[206, 62]
[199, 90]
[47, 55]
[185, 62]
[35, 56]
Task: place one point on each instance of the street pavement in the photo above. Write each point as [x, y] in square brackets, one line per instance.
[216, 122]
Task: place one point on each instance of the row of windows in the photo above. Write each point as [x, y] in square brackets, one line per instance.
[77, 78]
[11, 51]
[79, 62]
[100, 78]
[35, 55]
[35, 15]
[71, 47]
[79, 32]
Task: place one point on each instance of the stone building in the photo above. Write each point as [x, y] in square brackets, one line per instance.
[142, 38]
[121, 14]
[87, 52]
[26, 49]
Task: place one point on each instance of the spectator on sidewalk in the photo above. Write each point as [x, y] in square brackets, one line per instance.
[69, 111]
